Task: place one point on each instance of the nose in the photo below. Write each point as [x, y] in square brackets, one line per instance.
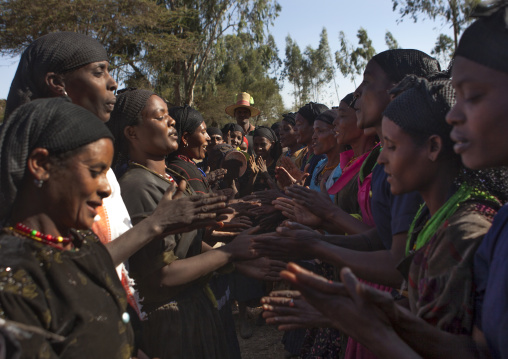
[104, 189]
[207, 136]
[171, 121]
[111, 83]
[381, 159]
[455, 116]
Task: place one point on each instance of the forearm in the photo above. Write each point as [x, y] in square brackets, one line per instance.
[366, 241]
[183, 271]
[431, 342]
[339, 221]
[387, 344]
[378, 267]
[133, 240]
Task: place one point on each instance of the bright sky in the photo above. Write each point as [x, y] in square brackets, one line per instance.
[304, 20]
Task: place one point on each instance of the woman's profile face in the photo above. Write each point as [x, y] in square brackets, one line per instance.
[197, 143]
[288, 135]
[480, 115]
[76, 187]
[92, 87]
[372, 96]
[323, 138]
[345, 128]
[405, 163]
[156, 135]
[262, 146]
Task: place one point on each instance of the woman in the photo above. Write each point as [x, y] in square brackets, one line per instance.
[171, 272]
[53, 277]
[233, 134]
[261, 172]
[289, 138]
[327, 170]
[442, 248]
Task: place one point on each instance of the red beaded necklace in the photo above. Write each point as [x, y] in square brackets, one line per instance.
[26, 231]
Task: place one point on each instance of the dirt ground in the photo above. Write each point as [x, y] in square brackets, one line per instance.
[264, 343]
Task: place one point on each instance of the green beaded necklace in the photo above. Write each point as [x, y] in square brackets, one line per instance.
[464, 193]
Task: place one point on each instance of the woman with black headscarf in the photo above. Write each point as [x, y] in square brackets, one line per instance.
[173, 271]
[289, 138]
[53, 277]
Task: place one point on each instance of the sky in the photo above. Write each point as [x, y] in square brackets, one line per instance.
[304, 20]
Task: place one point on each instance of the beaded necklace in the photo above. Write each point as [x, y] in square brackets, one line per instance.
[26, 231]
[166, 176]
[464, 193]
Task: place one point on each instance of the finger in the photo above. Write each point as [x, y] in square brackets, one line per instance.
[284, 293]
[351, 283]
[182, 186]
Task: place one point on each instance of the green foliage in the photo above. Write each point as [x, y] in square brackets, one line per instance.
[165, 45]
[443, 49]
[350, 60]
[390, 41]
[2, 110]
[453, 12]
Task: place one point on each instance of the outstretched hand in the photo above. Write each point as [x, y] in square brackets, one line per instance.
[177, 213]
[351, 306]
[296, 212]
[261, 268]
[290, 241]
[288, 310]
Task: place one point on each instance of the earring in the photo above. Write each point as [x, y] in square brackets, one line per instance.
[65, 93]
[38, 183]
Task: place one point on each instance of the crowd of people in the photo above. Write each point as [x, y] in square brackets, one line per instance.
[374, 229]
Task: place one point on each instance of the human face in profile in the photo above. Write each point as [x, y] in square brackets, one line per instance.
[480, 115]
[92, 87]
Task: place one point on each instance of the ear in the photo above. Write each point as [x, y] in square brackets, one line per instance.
[38, 164]
[435, 145]
[130, 133]
[56, 84]
[185, 139]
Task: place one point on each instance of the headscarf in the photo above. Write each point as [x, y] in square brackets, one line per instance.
[214, 131]
[266, 132]
[484, 42]
[421, 106]
[187, 120]
[327, 117]
[127, 112]
[275, 126]
[55, 124]
[289, 118]
[233, 127]
[311, 110]
[57, 52]
[398, 63]
[348, 99]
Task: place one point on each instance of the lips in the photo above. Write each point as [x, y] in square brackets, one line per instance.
[110, 105]
[92, 206]
[461, 142]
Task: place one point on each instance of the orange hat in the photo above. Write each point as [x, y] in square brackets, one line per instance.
[243, 100]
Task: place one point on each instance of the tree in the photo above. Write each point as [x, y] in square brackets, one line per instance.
[454, 12]
[163, 44]
[317, 66]
[390, 41]
[294, 71]
[443, 49]
[350, 60]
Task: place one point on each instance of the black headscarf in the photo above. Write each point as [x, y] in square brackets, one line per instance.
[213, 131]
[421, 106]
[127, 112]
[485, 41]
[233, 127]
[57, 52]
[266, 132]
[311, 110]
[289, 118]
[398, 63]
[348, 99]
[187, 120]
[327, 117]
[55, 124]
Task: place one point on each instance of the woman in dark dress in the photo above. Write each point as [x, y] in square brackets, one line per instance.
[172, 272]
[53, 163]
